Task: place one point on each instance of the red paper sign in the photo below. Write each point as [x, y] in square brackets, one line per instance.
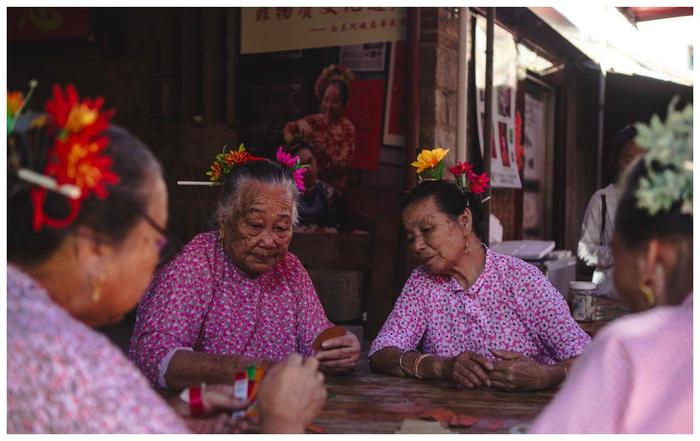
[364, 110]
[34, 23]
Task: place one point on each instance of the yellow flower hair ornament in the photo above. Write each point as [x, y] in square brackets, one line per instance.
[431, 161]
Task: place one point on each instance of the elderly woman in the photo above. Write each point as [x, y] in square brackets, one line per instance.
[470, 316]
[329, 132]
[79, 263]
[637, 375]
[236, 294]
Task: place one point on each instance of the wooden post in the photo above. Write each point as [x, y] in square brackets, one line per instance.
[488, 113]
[413, 94]
[233, 30]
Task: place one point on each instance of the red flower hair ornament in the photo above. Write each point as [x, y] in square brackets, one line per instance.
[75, 165]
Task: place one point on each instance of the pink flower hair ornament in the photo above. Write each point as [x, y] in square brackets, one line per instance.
[292, 163]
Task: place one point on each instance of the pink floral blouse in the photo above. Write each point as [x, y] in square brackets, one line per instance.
[511, 306]
[636, 377]
[63, 377]
[201, 301]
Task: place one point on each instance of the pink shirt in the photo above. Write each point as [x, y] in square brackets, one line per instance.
[63, 377]
[203, 302]
[510, 306]
[636, 377]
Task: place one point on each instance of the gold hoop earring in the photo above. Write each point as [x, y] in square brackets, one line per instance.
[467, 249]
[648, 293]
[97, 289]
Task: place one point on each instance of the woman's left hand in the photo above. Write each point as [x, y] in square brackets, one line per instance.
[516, 372]
[339, 354]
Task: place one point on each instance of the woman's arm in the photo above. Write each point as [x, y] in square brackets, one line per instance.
[169, 322]
[466, 369]
[386, 360]
[188, 368]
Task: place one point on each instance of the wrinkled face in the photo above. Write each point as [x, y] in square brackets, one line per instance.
[259, 235]
[630, 152]
[311, 175]
[434, 239]
[628, 274]
[132, 263]
[332, 105]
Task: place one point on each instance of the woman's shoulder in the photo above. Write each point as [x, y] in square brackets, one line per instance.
[205, 241]
[56, 344]
[346, 123]
[512, 266]
[203, 248]
[421, 279]
[290, 264]
[595, 199]
[314, 118]
[661, 326]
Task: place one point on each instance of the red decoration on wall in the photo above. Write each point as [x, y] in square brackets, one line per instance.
[364, 110]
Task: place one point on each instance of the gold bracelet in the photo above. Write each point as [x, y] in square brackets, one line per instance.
[401, 359]
[417, 364]
[566, 371]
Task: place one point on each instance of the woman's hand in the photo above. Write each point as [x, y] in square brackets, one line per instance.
[305, 129]
[339, 354]
[218, 402]
[516, 372]
[467, 369]
[291, 395]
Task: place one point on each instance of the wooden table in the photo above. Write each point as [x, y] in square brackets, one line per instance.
[366, 402]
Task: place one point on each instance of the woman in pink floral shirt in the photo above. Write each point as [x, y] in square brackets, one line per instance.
[481, 319]
[236, 294]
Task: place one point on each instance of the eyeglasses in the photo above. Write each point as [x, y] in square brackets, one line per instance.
[168, 244]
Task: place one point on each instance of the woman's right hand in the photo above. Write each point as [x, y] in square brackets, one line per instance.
[291, 395]
[467, 369]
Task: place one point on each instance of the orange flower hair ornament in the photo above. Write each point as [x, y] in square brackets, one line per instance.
[226, 160]
[75, 165]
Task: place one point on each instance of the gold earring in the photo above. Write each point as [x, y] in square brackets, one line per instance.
[648, 293]
[221, 237]
[97, 289]
[467, 249]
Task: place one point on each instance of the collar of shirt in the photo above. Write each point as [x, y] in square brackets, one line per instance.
[454, 285]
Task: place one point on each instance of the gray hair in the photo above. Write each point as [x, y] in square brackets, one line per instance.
[256, 172]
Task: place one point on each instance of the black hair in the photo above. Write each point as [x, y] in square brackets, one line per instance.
[635, 225]
[622, 137]
[261, 171]
[449, 198]
[113, 217]
[342, 87]
[300, 145]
